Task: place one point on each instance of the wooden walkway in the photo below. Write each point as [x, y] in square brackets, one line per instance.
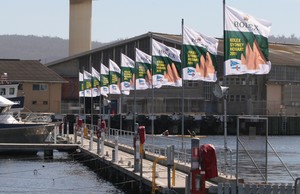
[125, 164]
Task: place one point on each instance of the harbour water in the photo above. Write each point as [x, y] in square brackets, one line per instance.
[33, 174]
[286, 147]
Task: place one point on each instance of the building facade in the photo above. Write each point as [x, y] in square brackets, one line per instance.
[40, 85]
[273, 94]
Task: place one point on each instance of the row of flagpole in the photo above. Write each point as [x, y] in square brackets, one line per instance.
[245, 52]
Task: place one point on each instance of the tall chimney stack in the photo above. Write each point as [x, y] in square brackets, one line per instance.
[80, 26]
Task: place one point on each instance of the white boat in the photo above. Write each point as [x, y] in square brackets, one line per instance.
[17, 131]
[9, 90]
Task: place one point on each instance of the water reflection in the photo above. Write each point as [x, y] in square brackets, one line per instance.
[33, 174]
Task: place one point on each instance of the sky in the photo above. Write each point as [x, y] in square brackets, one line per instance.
[121, 19]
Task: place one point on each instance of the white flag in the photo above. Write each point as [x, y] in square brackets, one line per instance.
[95, 82]
[166, 65]
[104, 81]
[246, 43]
[127, 78]
[114, 78]
[199, 52]
[81, 85]
[144, 70]
[87, 78]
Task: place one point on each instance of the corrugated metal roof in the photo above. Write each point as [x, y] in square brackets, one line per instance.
[28, 71]
[279, 54]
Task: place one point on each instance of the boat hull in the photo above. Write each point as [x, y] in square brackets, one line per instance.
[24, 133]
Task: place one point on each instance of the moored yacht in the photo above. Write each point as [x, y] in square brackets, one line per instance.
[17, 131]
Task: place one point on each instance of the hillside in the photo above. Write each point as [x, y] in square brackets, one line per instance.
[49, 49]
[46, 49]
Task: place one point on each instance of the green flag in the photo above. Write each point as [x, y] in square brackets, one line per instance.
[81, 85]
[95, 82]
[246, 44]
[104, 80]
[87, 77]
[166, 65]
[199, 55]
[144, 70]
[127, 79]
[114, 78]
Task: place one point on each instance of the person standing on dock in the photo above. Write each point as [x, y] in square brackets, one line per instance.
[103, 126]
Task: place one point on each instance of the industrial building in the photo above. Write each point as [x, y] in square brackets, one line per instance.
[273, 94]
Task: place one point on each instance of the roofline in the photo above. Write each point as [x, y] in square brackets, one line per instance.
[156, 35]
[116, 43]
[37, 81]
[105, 46]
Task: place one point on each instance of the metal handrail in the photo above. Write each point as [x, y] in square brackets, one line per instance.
[254, 163]
[182, 156]
[280, 160]
[297, 186]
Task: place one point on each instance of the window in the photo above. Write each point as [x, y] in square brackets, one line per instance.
[2, 91]
[39, 87]
[243, 81]
[231, 98]
[243, 98]
[11, 91]
[232, 82]
[237, 81]
[34, 102]
[20, 87]
[45, 102]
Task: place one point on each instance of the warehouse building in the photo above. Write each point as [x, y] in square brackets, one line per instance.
[275, 95]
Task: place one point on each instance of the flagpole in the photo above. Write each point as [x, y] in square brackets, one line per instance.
[121, 101]
[121, 95]
[182, 101]
[100, 115]
[84, 111]
[79, 109]
[225, 100]
[152, 90]
[134, 97]
[92, 121]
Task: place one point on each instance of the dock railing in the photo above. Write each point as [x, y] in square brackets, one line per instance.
[126, 139]
[182, 151]
[182, 154]
[228, 188]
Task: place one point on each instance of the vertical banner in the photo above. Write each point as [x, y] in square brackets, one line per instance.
[114, 78]
[95, 82]
[87, 78]
[104, 80]
[246, 48]
[166, 65]
[127, 78]
[81, 85]
[199, 56]
[144, 70]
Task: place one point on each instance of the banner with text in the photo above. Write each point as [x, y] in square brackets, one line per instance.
[114, 78]
[127, 78]
[246, 44]
[104, 80]
[199, 56]
[144, 70]
[166, 65]
[95, 82]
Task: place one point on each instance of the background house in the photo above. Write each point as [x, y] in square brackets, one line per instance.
[40, 85]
